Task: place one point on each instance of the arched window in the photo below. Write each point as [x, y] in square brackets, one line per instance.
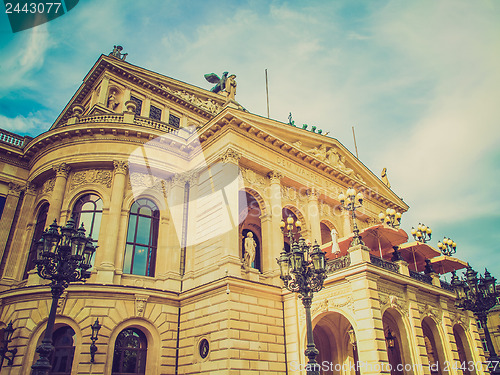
[37, 234]
[130, 352]
[142, 237]
[64, 351]
[88, 211]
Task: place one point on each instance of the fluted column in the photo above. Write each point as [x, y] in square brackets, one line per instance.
[56, 199]
[9, 211]
[313, 215]
[275, 245]
[106, 266]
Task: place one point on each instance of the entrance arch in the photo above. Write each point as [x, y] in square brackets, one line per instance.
[399, 355]
[434, 347]
[335, 340]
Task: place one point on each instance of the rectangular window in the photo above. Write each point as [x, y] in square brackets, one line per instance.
[174, 121]
[2, 204]
[138, 102]
[155, 113]
[485, 346]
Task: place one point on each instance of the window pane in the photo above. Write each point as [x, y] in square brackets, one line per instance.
[127, 263]
[88, 206]
[135, 207]
[143, 229]
[132, 221]
[140, 260]
[145, 211]
[97, 226]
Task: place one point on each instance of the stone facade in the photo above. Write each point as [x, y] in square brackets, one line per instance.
[212, 172]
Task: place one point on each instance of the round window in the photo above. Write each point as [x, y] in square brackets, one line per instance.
[204, 348]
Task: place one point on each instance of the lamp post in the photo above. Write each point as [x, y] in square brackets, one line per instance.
[422, 234]
[64, 256]
[7, 338]
[447, 246]
[390, 218]
[303, 271]
[478, 295]
[348, 202]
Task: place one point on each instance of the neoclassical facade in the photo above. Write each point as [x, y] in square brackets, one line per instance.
[169, 180]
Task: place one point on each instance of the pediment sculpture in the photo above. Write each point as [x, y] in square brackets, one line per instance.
[333, 157]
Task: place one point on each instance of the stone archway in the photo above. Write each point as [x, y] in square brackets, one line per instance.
[434, 347]
[336, 345]
[465, 355]
[399, 355]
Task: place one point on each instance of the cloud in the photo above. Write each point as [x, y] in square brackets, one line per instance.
[33, 124]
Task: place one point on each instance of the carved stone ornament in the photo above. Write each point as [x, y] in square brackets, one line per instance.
[62, 170]
[48, 185]
[208, 105]
[120, 166]
[394, 302]
[146, 181]
[231, 156]
[31, 187]
[333, 157]
[15, 189]
[275, 177]
[253, 178]
[312, 194]
[62, 302]
[97, 176]
[140, 304]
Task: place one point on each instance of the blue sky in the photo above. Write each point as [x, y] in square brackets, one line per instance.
[420, 81]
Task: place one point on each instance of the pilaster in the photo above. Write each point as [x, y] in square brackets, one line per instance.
[313, 215]
[9, 211]
[62, 172]
[275, 237]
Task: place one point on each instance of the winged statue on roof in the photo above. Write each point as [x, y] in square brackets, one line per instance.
[220, 83]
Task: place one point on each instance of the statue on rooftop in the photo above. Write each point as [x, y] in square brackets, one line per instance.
[220, 83]
[385, 180]
[231, 87]
[117, 53]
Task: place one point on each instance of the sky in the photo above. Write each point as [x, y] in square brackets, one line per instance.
[419, 81]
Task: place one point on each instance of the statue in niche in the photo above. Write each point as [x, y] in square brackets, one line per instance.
[117, 53]
[385, 180]
[250, 249]
[112, 102]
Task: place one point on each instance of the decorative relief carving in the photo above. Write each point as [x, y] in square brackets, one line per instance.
[48, 185]
[231, 156]
[394, 302]
[62, 302]
[208, 104]
[15, 189]
[120, 166]
[140, 304]
[31, 187]
[297, 144]
[333, 157]
[97, 176]
[293, 195]
[427, 310]
[253, 178]
[331, 302]
[147, 181]
[275, 177]
[62, 170]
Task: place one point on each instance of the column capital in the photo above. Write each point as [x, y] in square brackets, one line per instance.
[30, 187]
[62, 170]
[230, 155]
[312, 194]
[120, 166]
[15, 189]
[275, 177]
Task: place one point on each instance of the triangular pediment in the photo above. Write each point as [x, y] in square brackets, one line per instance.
[324, 154]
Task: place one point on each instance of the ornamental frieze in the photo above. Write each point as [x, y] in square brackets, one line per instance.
[333, 157]
[208, 104]
[96, 176]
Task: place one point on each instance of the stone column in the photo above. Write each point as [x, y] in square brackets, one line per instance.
[103, 94]
[9, 211]
[106, 267]
[275, 237]
[56, 199]
[313, 215]
[231, 257]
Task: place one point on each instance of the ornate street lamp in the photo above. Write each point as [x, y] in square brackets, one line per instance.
[422, 234]
[64, 256]
[7, 338]
[390, 218]
[303, 271]
[478, 295]
[447, 246]
[95, 331]
[348, 202]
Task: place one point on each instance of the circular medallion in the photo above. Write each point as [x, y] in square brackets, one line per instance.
[204, 348]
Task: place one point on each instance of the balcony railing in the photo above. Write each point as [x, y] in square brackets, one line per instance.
[420, 277]
[337, 264]
[384, 264]
[446, 286]
[13, 139]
